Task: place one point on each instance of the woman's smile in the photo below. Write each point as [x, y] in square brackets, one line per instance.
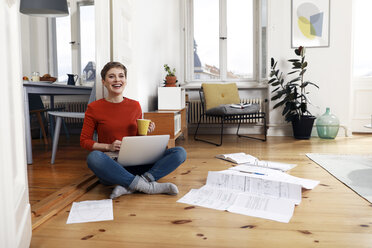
[117, 85]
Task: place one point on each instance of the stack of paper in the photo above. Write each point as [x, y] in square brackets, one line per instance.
[253, 191]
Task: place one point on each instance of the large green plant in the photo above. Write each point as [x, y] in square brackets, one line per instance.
[292, 94]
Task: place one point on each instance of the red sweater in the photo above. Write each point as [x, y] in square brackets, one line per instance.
[113, 121]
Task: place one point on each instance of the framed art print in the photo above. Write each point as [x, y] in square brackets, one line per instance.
[310, 23]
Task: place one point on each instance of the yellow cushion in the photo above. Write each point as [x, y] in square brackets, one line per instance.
[217, 94]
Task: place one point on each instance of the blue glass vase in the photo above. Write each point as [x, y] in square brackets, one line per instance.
[327, 125]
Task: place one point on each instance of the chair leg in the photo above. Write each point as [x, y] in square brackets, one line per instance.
[207, 141]
[265, 128]
[40, 120]
[56, 138]
[197, 128]
[251, 137]
[65, 129]
[222, 121]
[51, 124]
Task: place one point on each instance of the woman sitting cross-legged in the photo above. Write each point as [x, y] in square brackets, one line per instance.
[113, 118]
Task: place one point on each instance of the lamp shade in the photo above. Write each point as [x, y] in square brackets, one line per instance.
[44, 8]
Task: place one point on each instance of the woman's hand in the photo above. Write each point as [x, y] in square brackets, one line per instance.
[151, 127]
[115, 146]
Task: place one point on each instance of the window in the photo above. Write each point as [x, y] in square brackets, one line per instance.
[362, 38]
[87, 42]
[224, 41]
[63, 38]
[73, 42]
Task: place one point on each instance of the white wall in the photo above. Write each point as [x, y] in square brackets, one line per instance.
[329, 68]
[15, 212]
[34, 45]
[156, 35]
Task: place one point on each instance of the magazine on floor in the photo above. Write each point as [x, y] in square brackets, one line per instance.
[243, 158]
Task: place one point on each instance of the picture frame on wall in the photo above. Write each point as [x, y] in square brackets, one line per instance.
[310, 23]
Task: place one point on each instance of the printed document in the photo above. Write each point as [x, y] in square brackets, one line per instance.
[276, 175]
[90, 211]
[255, 185]
[241, 203]
[248, 194]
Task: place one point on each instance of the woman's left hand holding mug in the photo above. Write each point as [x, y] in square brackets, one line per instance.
[151, 127]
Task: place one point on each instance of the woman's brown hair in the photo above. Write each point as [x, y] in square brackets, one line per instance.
[110, 65]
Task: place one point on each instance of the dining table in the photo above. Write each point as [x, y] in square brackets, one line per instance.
[46, 89]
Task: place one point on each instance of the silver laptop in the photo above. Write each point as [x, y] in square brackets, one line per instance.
[140, 150]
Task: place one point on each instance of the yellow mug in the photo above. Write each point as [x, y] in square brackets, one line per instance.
[143, 126]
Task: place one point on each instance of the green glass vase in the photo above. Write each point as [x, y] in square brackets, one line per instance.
[327, 125]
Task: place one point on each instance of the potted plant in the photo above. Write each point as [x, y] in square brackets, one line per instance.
[170, 79]
[293, 95]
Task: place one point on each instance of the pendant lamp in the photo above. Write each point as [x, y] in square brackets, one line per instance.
[44, 8]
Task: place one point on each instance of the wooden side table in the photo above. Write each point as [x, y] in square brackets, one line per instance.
[172, 122]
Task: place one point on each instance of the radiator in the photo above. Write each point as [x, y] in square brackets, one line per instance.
[195, 110]
[71, 107]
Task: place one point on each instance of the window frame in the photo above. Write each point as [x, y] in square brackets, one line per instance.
[356, 78]
[257, 46]
[75, 38]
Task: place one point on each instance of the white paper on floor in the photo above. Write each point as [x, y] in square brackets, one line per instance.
[91, 211]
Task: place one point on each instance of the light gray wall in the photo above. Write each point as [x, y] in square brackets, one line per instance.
[34, 45]
[329, 67]
[156, 36]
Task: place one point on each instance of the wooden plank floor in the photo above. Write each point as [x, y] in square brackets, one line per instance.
[44, 178]
[331, 215]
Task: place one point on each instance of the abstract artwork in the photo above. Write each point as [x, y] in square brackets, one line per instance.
[310, 23]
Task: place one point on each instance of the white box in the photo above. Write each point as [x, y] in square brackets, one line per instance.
[171, 98]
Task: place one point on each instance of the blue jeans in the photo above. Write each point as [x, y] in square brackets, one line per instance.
[111, 172]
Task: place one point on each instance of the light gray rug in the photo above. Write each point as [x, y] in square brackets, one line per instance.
[355, 171]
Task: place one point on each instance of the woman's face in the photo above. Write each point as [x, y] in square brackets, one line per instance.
[115, 81]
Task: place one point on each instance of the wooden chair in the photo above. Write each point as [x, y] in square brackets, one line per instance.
[36, 107]
[217, 100]
[59, 115]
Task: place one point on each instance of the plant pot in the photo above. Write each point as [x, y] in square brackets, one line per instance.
[170, 81]
[302, 126]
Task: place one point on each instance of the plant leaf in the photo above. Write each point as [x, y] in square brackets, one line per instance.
[279, 104]
[276, 89]
[293, 72]
[303, 107]
[295, 80]
[286, 108]
[297, 64]
[304, 65]
[313, 84]
[272, 80]
[277, 96]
